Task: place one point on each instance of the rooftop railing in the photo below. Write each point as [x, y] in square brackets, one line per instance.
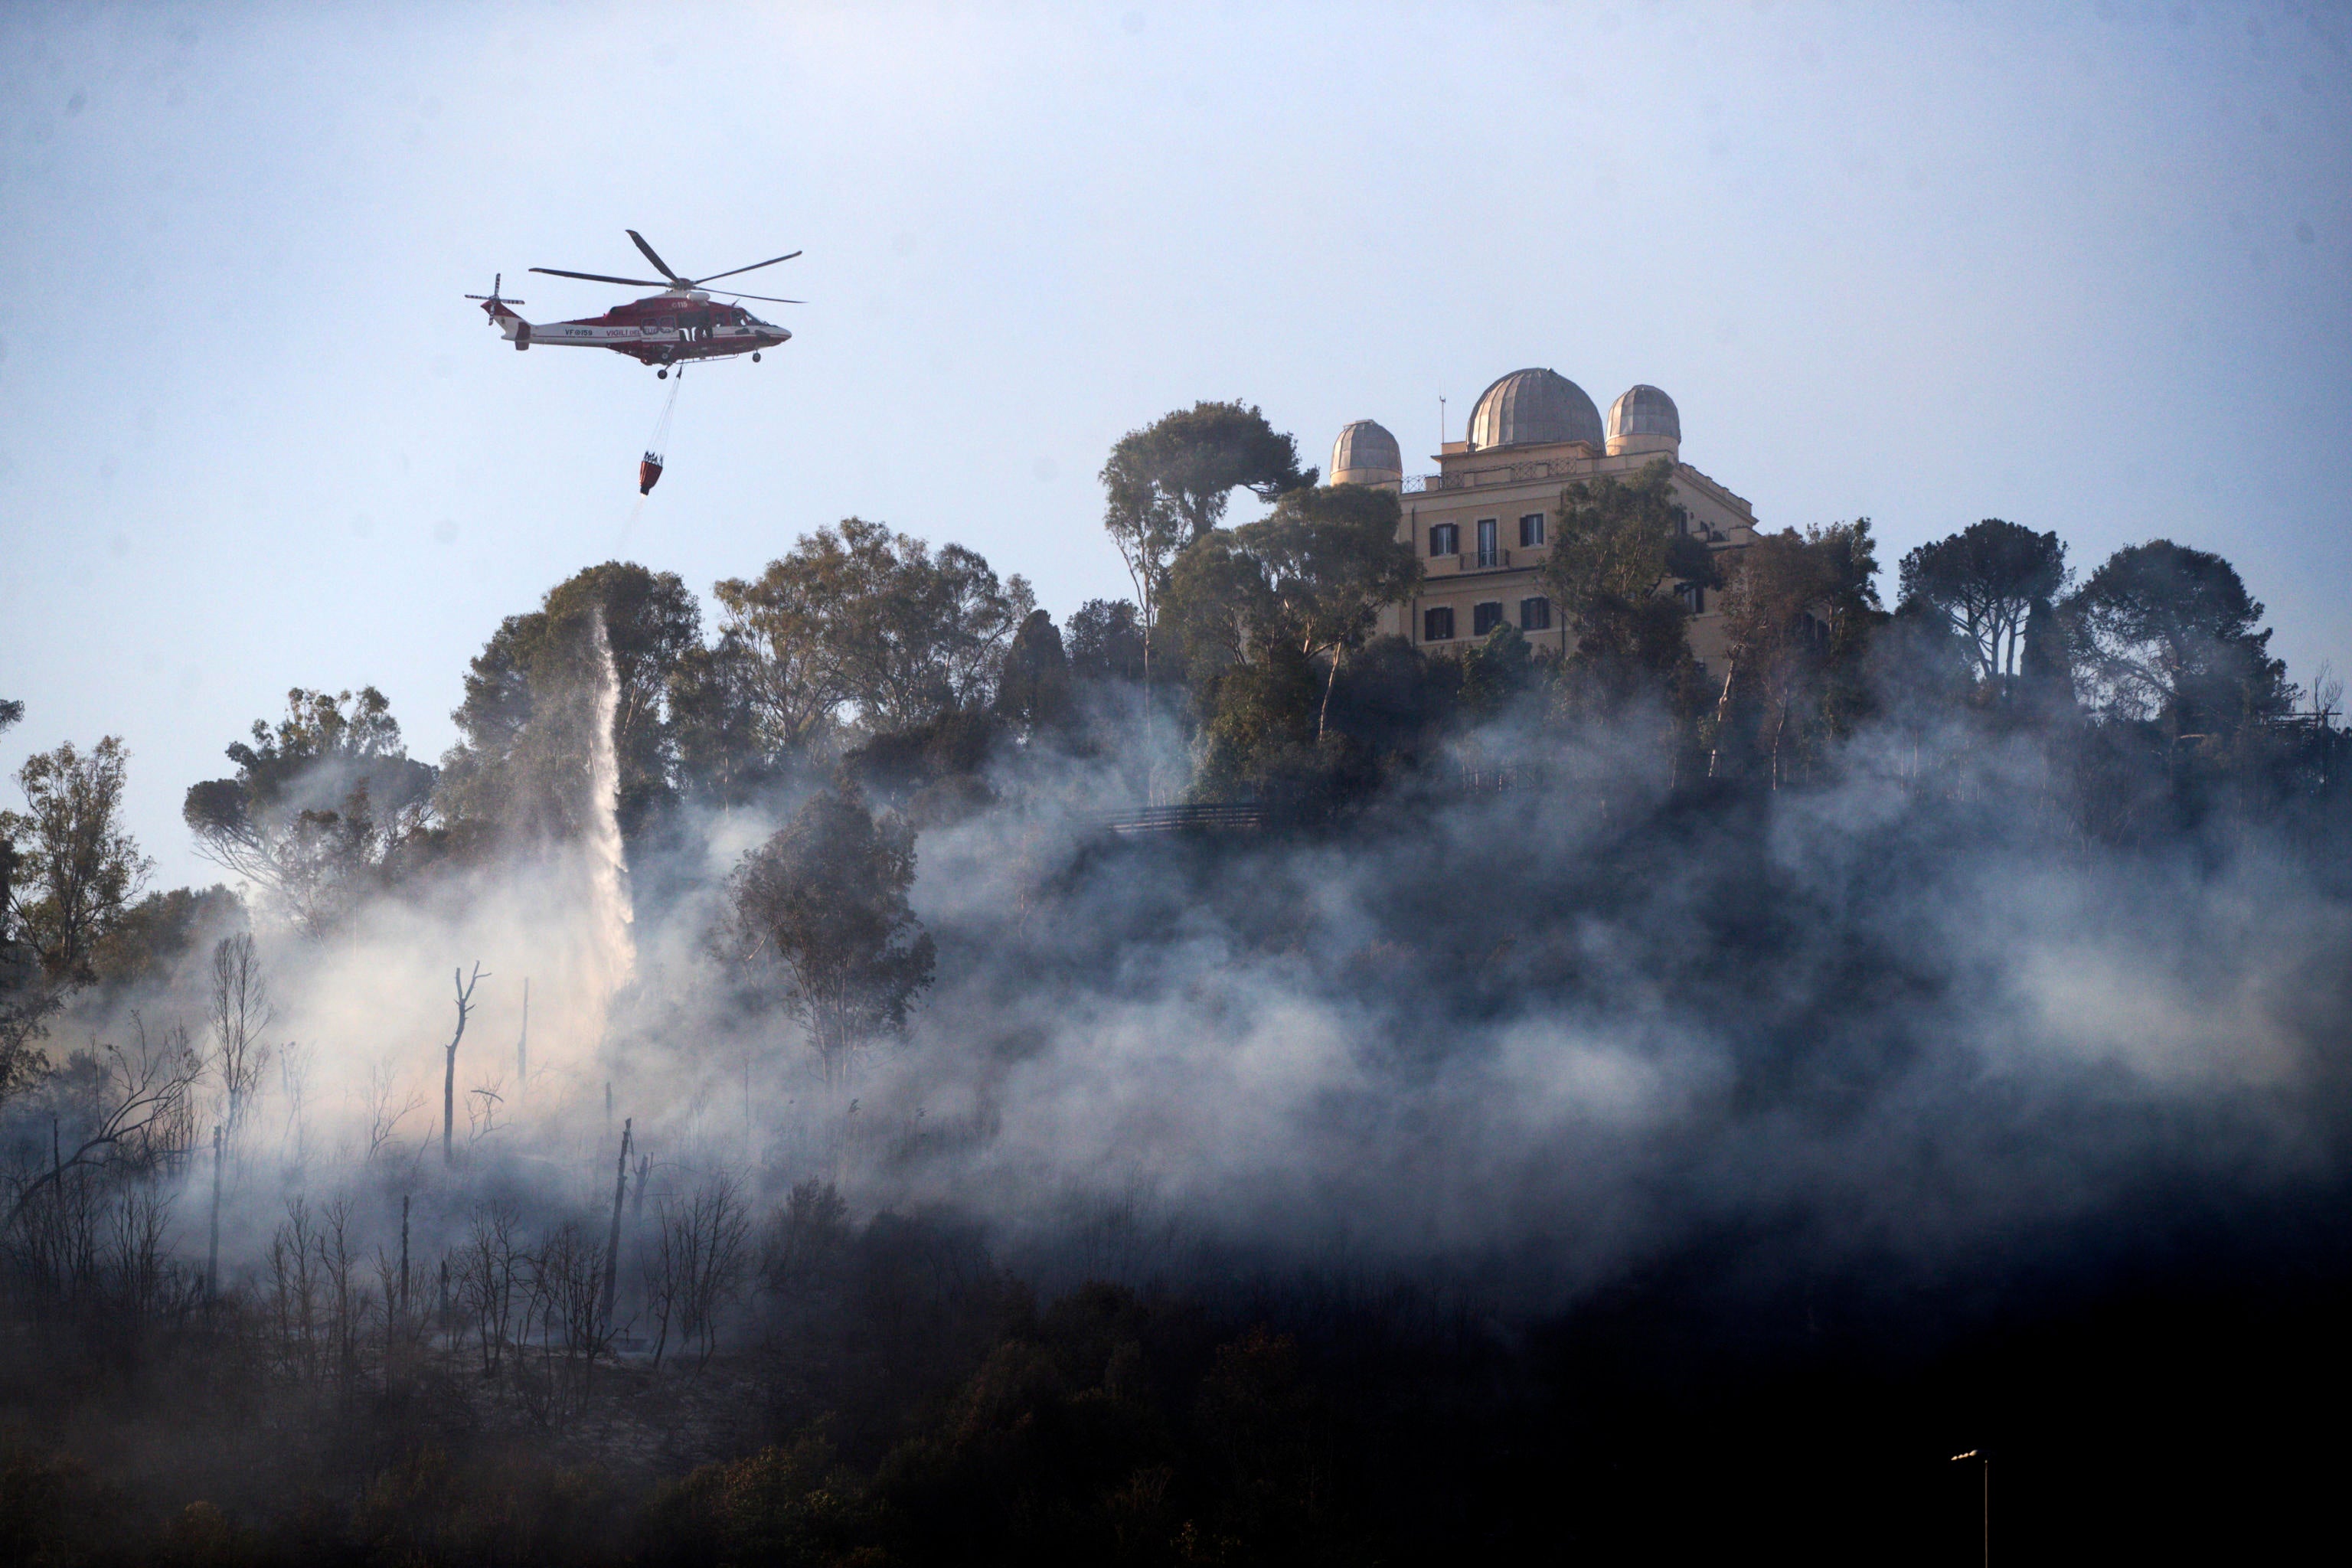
[1475, 479]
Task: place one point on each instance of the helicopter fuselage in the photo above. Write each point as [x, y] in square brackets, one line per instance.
[664, 328]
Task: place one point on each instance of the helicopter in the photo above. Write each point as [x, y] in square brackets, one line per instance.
[680, 323]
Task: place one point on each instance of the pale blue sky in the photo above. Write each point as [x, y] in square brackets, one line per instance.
[2089, 269]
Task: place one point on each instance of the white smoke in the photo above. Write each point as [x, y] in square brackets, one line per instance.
[1481, 1036]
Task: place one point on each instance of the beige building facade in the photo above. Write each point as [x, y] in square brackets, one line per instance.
[1482, 525]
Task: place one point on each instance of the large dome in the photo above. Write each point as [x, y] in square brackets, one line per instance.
[1366, 454]
[1643, 412]
[1530, 406]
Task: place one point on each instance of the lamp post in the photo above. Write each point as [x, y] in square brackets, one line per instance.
[1984, 1460]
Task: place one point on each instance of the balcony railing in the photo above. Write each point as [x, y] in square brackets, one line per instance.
[1467, 561]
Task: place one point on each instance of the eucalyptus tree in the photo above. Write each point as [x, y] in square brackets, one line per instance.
[1267, 614]
[1330, 562]
[75, 867]
[1167, 485]
[1798, 611]
[820, 912]
[519, 773]
[1620, 547]
[859, 625]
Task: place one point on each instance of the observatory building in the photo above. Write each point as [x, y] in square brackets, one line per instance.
[1482, 525]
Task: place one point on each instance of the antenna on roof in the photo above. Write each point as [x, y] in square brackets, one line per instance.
[1441, 421]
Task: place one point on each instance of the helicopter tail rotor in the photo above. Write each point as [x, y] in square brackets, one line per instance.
[492, 297]
[496, 307]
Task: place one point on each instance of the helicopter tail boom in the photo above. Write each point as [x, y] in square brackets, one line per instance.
[511, 327]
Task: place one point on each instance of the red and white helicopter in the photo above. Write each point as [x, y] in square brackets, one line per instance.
[682, 322]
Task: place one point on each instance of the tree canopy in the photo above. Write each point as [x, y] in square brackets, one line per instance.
[1166, 485]
[2169, 634]
[859, 625]
[1189, 462]
[1987, 581]
[1621, 540]
[317, 806]
[824, 902]
[1106, 641]
[520, 770]
[1256, 608]
[76, 867]
[1032, 690]
[1621, 548]
[1796, 614]
[1312, 577]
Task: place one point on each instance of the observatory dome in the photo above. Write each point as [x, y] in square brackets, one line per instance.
[1645, 420]
[1366, 454]
[1528, 407]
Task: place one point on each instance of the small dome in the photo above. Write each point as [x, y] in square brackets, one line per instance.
[1644, 411]
[1366, 454]
[1530, 406]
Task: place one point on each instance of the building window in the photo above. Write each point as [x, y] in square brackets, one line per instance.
[1488, 555]
[1531, 530]
[1693, 596]
[1445, 539]
[1485, 617]
[1437, 625]
[1535, 615]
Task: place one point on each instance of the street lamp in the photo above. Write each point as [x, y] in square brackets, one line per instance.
[1986, 1460]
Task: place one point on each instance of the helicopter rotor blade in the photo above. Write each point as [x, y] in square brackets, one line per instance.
[770, 298]
[497, 299]
[753, 267]
[601, 278]
[664, 267]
